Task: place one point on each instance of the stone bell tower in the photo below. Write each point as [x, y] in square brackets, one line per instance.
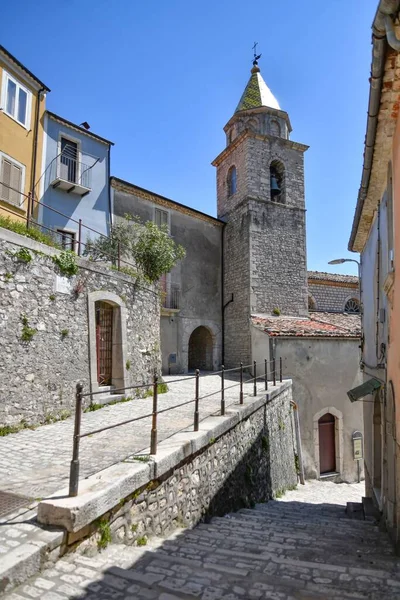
[260, 195]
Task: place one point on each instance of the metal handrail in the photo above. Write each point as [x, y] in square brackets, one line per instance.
[79, 396]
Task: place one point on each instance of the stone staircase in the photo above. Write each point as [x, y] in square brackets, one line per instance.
[277, 551]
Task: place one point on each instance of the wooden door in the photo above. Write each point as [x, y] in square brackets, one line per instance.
[327, 450]
[104, 320]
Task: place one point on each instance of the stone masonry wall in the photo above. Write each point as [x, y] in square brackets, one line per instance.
[331, 298]
[250, 463]
[38, 377]
[237, 282]
[278, 259]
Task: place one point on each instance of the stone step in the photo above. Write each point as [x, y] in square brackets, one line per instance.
[371, 511]
[259, 566]
[355, 510]
[259, 539]
[356, 557]
[305, 520]
[253, 521]
[305, 514]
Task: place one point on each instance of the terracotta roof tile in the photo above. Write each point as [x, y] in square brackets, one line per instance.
[316, 325]
[322, 276]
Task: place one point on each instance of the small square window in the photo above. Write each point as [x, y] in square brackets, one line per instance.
[16, 100]
[66, 239]
[160, 217]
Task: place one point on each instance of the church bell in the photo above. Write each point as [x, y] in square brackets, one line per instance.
[275, 189]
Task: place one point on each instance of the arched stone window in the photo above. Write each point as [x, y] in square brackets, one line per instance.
[277, 181]
[231, 181]
[312, 305]
[352, 306]
[275, 128]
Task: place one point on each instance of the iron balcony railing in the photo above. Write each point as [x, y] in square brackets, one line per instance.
[69, 169]
[173, 298]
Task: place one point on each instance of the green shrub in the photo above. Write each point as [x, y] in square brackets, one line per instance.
[105, 534]
[27, 331]
[276, 311]
[64, 333]
[141, 541]
[33, 232]
[66, 262]
[23, 255]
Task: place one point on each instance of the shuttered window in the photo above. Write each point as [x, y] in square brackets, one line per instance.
[161, 217]
[10, 181]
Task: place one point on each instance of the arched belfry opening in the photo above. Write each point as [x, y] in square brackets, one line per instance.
[201, 349]
[277, 181]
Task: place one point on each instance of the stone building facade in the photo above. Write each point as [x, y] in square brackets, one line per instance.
[332, 292]
[191, 322]
[53, 334]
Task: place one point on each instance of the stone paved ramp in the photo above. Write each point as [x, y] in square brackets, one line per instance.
[296, 549]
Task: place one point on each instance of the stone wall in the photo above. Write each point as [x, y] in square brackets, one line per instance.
[234, 461]
[250, 463]
[277, 258]
[38, 377]
[331, 298]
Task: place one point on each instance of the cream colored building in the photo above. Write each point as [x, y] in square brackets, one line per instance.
[22, 106]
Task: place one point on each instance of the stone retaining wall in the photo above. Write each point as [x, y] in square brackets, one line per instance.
[38, 377]
[252, 461]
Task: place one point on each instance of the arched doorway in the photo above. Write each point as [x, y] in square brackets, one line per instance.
[201, 349]
[104, 342]
[327, 448]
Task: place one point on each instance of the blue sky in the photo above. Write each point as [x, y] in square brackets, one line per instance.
[161, 79]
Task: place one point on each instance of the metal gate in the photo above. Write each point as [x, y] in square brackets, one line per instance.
[104, 332]
[327, 451]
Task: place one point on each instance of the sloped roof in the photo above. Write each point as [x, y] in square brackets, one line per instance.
[322, 276]
[337, 325]
[257, 93]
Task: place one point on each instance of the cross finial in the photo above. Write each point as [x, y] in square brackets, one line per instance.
[255, 56]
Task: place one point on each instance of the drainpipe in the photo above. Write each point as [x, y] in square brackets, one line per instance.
[393, 41]
[378, 276]
[109, 187]
[35, 145]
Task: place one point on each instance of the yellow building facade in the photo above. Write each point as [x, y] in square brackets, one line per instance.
[22, 107]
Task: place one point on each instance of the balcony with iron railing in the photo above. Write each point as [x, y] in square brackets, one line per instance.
[71, 175]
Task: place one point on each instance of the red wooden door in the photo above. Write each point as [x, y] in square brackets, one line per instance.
[104, 319]
[327, 451]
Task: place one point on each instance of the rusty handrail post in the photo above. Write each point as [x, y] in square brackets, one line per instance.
[241, 384]
[196, 403]
[74, 467]
[119, 256]
[153, 439]
[255, 378]
[274, 368]
[222, 390]
[79, 237]
[28, 212]
[266, 373]
[280, 369]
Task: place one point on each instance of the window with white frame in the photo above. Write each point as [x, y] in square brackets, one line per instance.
[66, 239]
[160, 217]
[16, 100]
[12, 176]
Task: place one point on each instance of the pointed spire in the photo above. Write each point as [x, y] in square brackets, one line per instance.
[257, 93]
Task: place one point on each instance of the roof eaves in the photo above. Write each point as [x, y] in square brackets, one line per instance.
[178, 204]
[379, 48]
[21, 66]
[78, 128]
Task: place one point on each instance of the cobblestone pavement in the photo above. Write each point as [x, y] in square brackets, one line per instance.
[302, 547]
[35, 463]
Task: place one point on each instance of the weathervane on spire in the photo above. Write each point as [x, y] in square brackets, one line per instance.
[256, 57]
